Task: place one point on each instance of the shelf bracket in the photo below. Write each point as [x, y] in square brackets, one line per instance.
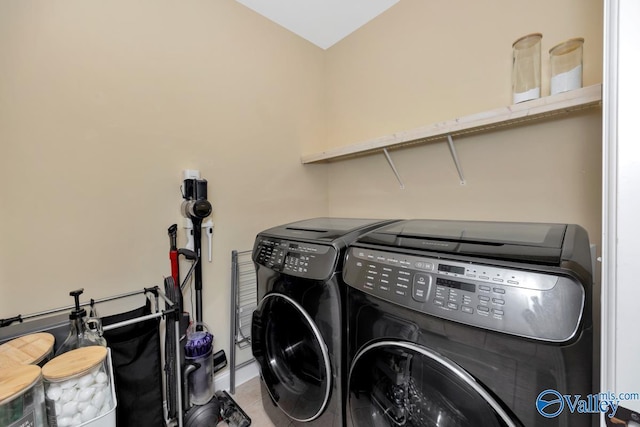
[393, 168]
[454, 154]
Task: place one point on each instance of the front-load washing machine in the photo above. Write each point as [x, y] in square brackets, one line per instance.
[297, 329]
[470, 324]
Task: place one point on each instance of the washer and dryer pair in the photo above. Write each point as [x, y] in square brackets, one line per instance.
[424, 323]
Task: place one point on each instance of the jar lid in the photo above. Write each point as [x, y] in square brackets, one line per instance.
[566, 46]
[15, 380]
[26, 350]
[74, 362]
[528, 40]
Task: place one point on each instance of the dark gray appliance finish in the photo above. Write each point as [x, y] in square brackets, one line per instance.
[297, 336]
[531, 243]
[452, 320]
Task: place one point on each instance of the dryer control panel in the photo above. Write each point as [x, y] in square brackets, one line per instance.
[519, 302]
[298, 259]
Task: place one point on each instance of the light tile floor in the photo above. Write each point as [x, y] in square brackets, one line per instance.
[248, 397]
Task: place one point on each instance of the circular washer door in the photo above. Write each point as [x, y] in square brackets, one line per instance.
[293, 357]
[393, 383]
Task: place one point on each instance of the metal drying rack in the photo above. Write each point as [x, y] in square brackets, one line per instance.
[244, 300]
[172, 308]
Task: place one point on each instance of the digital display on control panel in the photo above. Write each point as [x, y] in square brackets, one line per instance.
[469, 287]
[450, 269]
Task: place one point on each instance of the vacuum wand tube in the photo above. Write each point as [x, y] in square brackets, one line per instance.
[197, 273]
[196, 207]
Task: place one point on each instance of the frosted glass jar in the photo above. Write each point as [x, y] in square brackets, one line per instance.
[525, 72]
[22, 396]
[32, 349]
[77, 387]
[566, 66]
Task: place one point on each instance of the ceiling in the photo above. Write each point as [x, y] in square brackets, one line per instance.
[322, 22]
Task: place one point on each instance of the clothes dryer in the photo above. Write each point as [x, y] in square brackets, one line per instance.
[470, 324]
[297, 329]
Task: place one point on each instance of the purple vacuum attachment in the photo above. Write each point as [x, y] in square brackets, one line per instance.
[198, 344]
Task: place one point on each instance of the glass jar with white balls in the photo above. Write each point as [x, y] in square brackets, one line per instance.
[78, 388]
[21, 396]
[566, 66]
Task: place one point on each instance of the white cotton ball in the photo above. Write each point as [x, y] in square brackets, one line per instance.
[69, 409]
[85, 394]
[85, 381]
[101, 378]
[65, 421]
[54, 392]
[83, 405]
[58, 408]
[89, 413]
[69, 383]
[107, 401]
[68, 395]
[98, 398]
[76, 420]
[103, 411]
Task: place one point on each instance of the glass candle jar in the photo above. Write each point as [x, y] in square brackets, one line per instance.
[525, 73]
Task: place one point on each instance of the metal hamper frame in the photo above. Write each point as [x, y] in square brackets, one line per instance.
[159, 313]
[244, 300]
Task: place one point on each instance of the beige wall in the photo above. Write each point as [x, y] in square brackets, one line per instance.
[102, 105]
[546, 172]
[426, 61]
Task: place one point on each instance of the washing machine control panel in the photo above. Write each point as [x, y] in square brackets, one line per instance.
[520, 302]
[298, 259]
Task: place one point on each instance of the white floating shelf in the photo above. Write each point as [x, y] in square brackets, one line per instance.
[536, 109]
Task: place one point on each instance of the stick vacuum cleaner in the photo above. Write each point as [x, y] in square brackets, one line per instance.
[198, 369]
[199, 345]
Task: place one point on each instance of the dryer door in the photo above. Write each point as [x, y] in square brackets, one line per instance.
[293, 357]
[394, 383]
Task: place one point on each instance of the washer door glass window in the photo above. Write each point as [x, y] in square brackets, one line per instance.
[404, 384]
[293, 357]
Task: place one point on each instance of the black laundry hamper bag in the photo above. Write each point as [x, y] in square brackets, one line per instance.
[137, 366]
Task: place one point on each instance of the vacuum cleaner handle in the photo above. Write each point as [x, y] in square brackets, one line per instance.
[188, 254]
[173, 253]
[188, 370]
